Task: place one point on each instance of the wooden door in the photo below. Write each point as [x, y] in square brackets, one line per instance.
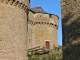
[47, 45]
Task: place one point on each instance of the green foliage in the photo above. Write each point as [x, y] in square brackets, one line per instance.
[34, 57]
[54, 54]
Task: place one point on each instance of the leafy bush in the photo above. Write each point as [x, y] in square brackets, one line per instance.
[53, 54]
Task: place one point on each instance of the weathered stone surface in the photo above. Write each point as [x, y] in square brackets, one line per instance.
[42, 28]
[13, 32]
[71, 29]
[17, 35]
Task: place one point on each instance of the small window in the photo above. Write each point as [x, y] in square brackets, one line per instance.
[29, 40]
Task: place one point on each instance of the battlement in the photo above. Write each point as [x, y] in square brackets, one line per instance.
[48, 18]
[17, 3]
[43, 19]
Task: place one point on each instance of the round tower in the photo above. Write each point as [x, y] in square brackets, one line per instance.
[43, 30]
[13, 29]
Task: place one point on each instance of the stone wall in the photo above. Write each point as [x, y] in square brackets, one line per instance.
[13, 30]
[71, 29]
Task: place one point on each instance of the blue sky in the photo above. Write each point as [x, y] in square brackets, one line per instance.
[53, 7]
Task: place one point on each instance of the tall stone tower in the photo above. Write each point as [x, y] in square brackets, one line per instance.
[13, 29]
[42, 28]
[71, 29]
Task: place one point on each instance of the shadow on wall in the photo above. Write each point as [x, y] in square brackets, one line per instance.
[71, 37]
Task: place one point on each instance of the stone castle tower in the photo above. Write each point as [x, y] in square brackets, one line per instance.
[13, 29]
[42, 28]
[71, 29]
[22, 28]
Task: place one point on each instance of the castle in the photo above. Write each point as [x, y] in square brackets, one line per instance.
[22, 28]
[71, 29]
[42, 28]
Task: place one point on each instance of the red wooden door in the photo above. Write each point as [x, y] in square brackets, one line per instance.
[47, 45]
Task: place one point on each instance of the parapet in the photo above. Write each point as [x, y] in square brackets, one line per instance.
[23, 4]
[43, 18]
[48, 19]
[26, 2]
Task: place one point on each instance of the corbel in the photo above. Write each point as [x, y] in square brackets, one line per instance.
[15, 3]
[19, 4]
[11, 2]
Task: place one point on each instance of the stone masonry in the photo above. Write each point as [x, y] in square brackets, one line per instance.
[71, 29]
[13, 29]
[22, 28]
[42, 27]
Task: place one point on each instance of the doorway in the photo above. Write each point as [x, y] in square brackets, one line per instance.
[47, 45]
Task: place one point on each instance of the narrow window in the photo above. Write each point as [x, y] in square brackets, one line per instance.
[29, 40]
